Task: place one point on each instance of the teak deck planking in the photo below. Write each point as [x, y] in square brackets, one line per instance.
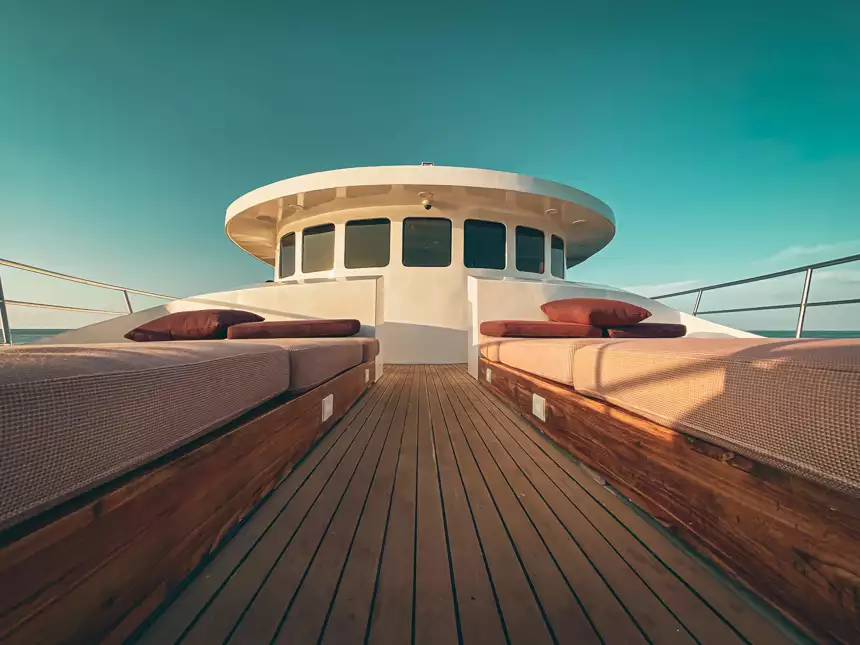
[433, 513]
[97, 566]
[794, 542]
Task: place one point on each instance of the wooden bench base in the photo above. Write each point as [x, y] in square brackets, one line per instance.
[94, 568]
[792, 541]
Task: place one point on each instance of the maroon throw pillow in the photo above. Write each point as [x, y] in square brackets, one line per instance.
[595, 311]
[203, 324]
[538, 329]
[295, 329]
[648, 330]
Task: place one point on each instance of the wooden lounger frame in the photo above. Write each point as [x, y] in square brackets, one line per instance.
[92, 569]
[792, 541]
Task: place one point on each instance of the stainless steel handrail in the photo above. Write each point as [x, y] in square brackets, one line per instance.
[5, 331]
[804, 296]
[71, 278]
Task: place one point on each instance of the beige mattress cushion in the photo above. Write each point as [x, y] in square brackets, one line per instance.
[316, 360]
[72, 417]
[551, 358]
[793, 404]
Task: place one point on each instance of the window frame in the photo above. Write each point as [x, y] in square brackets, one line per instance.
[552, 248]
[494, 223]
[517, 249]
[330, 227]
[450, 242]
[281, 275]
[377, 220]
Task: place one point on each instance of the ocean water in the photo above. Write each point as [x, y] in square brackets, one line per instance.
[770, 333]
[26, 336]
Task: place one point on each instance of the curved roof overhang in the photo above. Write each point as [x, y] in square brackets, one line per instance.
[254, 219]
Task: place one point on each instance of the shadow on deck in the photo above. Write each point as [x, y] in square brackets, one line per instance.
[433, 513]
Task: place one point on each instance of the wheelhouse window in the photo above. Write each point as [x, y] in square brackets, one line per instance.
[556, 257]
[426, 242]
[367, 244]
[530, 250]
[287, 263]
[318, 248]
[484, 244]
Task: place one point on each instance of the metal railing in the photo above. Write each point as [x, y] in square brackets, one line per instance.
[804, 295]
[5, 335]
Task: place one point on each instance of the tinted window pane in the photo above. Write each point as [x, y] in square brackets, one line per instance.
[318, 248]
[287, 266]
[484, 244]
[530, 252]
[426, 242]
[367, 243]
[556, 258]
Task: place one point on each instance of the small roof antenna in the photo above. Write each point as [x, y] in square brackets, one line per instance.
[427, 163]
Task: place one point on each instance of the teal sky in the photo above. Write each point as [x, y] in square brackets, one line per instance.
[725, 135]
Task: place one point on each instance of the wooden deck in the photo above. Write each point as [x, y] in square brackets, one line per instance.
[433, 514]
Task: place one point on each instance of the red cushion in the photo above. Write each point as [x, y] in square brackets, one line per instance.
[295, 329]
[538, 329]
[202, 324]
[648, 330]
[595, 311]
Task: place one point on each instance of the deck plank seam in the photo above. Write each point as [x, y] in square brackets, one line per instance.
[608, 543]
[538, 531]
[444, 517]
[331, 519]
[369, 624]
[382, 396]
[415, 516]
[475, 525]
[358, 525]
[610, 587]
[507, 530]
[365, 433]
[562, 454]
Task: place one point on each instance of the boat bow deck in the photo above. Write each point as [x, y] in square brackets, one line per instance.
[433, 513]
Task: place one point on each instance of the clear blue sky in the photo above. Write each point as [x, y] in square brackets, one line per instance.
[725, 135]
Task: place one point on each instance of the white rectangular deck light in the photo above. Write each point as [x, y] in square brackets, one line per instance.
[539, 407]
[327, 407]
[489, 375]
[367, 375]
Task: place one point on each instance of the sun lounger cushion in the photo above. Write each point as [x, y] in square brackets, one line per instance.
[294, 329]
[792, 404]
[648, 330]
[202, 324]
[73, 417]
[594, 311]
[537, 329]
[316, 360]
[551, 358]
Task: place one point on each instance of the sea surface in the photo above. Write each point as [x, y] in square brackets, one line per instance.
[770, 333]
[25, 336]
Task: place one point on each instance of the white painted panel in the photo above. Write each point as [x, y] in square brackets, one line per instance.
[356, 298]
[521, 300]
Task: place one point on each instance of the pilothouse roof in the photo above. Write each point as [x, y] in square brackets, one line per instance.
[253, 220]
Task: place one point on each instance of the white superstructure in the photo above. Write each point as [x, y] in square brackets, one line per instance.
[410, 251]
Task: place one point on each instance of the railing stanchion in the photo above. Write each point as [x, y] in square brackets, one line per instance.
[698, 302]
[803, 299]
[5, 331]
[127, 301]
